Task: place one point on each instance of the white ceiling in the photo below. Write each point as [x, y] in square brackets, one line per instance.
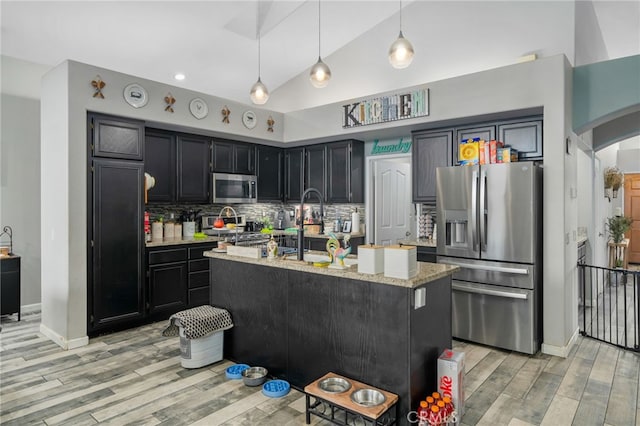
[214, 42]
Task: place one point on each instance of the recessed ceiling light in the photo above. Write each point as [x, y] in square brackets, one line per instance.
[179, 76]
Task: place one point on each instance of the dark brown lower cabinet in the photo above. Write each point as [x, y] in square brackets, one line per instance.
[10, 285]
[198, 278]
[178, 277]
[167, 281]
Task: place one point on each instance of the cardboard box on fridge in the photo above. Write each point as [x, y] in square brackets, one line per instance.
[468, 151]
[483, 147]
[493, 151]
[451, 379]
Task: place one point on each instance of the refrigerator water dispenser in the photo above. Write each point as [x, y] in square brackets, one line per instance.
[456, 232]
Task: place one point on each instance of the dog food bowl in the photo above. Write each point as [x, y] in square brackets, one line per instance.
[334, 385]
[368, 397]
[254, 376]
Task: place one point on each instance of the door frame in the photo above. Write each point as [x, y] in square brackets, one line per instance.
[370, 194]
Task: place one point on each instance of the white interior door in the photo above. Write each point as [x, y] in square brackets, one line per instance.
[394, 211]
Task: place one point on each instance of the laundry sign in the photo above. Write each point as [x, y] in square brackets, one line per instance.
[390, 147]
[384, 109]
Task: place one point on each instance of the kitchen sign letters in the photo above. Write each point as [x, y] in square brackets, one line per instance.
[386, 108]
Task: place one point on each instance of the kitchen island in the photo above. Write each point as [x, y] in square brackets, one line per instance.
[301, 321]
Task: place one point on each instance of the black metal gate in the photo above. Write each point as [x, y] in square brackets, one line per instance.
[609, 307]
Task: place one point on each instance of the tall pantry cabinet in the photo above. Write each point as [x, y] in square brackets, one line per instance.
[115, 222]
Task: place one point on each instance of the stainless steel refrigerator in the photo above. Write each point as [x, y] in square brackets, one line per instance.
[490, 224]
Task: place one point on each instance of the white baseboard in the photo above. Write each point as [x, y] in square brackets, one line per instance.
[30, 309]
[561, 351]
[61, 341]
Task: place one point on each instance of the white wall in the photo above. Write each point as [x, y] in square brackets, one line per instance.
[589, 43]
[502, 33]
[20, 169]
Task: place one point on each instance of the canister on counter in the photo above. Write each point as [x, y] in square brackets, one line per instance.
[156, 231]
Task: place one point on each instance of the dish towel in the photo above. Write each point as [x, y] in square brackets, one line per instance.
[198, 322]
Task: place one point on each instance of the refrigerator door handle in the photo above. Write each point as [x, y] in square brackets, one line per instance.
[482, 218]
[474, 210]
[488, 292]
[518, 271]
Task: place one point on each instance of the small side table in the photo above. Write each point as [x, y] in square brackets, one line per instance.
[10, 285]
[619, 251]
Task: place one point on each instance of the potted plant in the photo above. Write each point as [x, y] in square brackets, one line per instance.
[617, 227]
[613, 179]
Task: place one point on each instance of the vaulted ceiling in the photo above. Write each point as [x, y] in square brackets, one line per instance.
[214, 43]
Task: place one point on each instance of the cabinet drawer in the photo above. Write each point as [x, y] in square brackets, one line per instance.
[166, 256]
[198, 297]
[199, 265]
[199, 279]
[196, 252]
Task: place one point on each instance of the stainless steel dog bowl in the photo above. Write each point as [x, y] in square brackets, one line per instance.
[368, 397]
[254, 376]
[334, 385]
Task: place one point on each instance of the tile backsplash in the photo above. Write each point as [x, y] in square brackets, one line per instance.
[254, 212]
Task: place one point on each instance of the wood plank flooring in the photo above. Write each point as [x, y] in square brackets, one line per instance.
[135, 377]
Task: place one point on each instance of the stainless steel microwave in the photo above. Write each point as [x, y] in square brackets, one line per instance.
[232, 188]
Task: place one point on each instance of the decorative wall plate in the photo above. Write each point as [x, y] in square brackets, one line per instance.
[198, 108]
[136, 95]
[249, 119]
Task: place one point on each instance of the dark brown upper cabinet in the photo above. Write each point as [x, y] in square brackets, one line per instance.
[233, 157]
[160, 162]
[269, 169]
[194, 173]
[430, 150]
[116, 137]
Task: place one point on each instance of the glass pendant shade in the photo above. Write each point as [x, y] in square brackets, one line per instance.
[259, 93]
[320, 74]
[401, 52]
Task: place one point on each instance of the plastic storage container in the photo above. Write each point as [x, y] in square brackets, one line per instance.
[195, 353]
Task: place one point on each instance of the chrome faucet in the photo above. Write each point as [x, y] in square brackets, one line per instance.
[301, 228]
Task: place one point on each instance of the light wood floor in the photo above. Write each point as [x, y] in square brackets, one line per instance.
[135, 377]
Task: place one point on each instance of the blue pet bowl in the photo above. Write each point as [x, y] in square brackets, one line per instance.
[234, 372]
[276, 388]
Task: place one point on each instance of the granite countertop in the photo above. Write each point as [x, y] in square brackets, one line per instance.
[427, 272]
[178, 241]
[423, 242]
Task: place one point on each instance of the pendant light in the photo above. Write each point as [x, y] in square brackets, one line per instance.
[401, 51]
[320, 73]
[259, 93]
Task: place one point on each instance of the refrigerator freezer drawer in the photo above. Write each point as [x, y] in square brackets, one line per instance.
[496, 316]
[496, 273]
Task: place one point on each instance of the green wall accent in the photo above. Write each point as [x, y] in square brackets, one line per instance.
[604, 91]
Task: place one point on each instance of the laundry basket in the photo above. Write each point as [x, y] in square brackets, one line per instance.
[201, 332]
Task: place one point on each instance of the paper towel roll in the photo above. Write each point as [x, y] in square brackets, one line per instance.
[355, 222]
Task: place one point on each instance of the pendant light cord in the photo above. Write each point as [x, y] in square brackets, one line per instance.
[319, 29]
[400, 15]
[258, 33]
